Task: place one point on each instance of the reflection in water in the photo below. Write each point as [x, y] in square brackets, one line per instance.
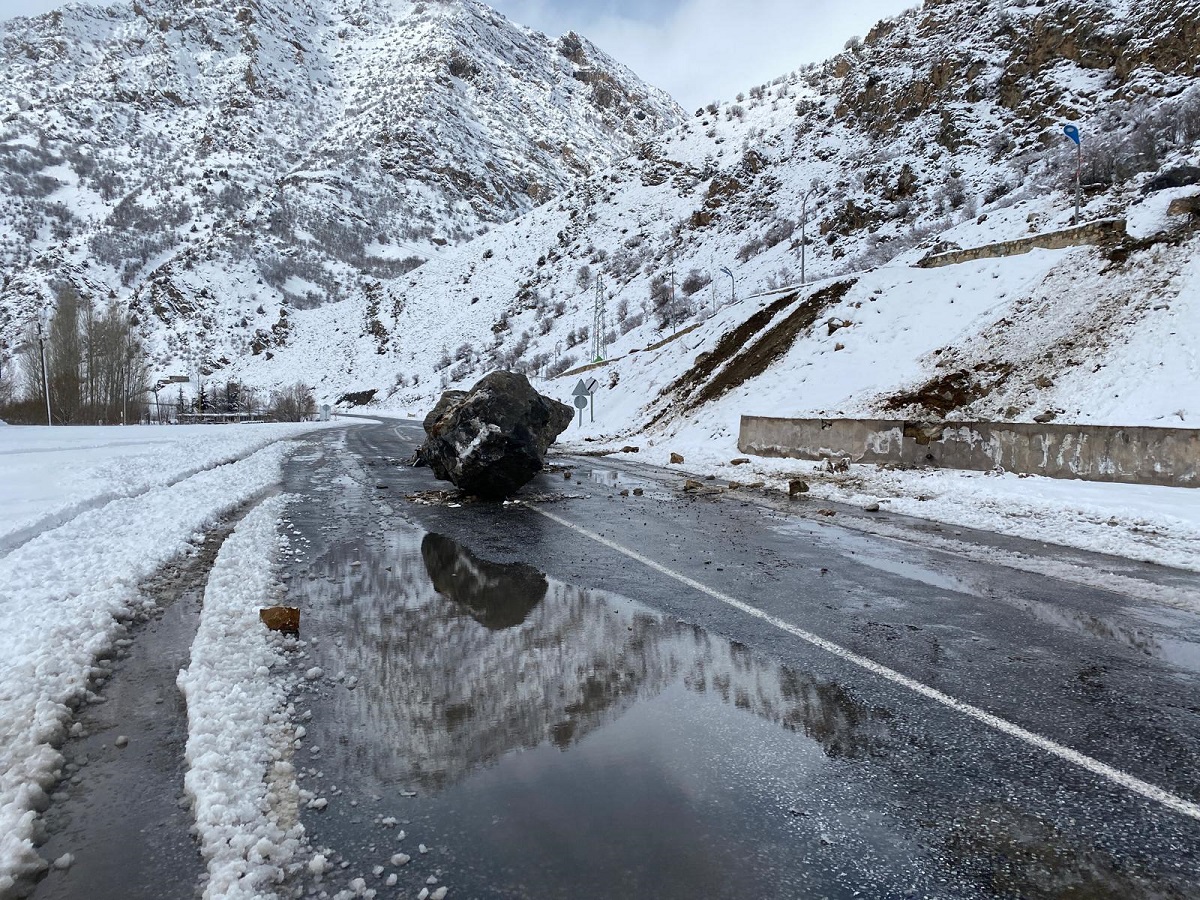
[614, 479]
[536, 662]
[497, 596]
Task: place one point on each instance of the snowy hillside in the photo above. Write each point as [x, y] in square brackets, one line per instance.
[219, 165]
[942, 128]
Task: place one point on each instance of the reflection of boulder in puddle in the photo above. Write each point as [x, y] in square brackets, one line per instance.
[497, 596]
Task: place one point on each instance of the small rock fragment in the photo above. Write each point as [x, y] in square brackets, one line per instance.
[872, 507]
[826, 512]
[424, 895]
[64, 862]
[625, 492]
[692, 485]
[676, 459]
[630, 449]
[401, 859]
[123, 741]
[740, 461]
[797, 487]
[284, 619]
[637, 492]
[439, 894]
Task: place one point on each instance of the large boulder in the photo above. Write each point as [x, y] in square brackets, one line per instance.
[490, 440]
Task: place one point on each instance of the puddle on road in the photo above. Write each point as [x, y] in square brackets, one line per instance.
[616, 479]
[1166, 634]
[565, 742]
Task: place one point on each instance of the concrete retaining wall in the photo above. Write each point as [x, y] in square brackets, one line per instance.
[1167, 456]
[1101, 232]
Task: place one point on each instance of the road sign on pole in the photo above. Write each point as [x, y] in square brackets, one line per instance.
[583, 399]
[732, 284]
[1073, 133]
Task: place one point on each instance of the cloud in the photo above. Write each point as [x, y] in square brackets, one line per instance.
[702, 50]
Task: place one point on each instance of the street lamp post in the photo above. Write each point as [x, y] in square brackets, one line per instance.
[804, 229]
[45, 374]
[732, 284]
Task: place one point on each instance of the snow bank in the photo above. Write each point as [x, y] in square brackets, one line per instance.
[52, 474]
[62, 595]
[240, 779]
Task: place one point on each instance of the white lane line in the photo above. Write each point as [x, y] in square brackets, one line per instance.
[1116, 776]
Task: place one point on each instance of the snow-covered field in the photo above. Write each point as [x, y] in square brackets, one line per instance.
[88, 514]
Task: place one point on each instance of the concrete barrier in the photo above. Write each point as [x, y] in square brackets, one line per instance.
[1132, 455]
[1103, 231]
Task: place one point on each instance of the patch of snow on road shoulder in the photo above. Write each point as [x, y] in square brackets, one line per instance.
[62, 597]
[240, 778]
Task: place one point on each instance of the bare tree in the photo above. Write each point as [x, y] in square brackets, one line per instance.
[64, 357]
[292, 404]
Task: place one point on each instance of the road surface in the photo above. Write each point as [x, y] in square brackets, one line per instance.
[591, 695]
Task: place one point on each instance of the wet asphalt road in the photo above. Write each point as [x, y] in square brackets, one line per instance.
[550, 717]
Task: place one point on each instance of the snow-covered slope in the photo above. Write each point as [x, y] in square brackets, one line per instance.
[218, 165]
[943, 128]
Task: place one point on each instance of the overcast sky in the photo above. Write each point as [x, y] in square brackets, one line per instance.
[698, 50]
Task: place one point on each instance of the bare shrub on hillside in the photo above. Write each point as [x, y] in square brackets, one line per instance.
[695, 281]
[751, 248]
[631, 322]
[560, 365]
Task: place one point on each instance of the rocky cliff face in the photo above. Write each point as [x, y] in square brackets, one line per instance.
[220, 164]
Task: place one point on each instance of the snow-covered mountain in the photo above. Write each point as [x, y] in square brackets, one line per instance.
[943, 127]
[221, 164]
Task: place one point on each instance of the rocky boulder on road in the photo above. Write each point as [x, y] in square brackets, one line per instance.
[491, 440]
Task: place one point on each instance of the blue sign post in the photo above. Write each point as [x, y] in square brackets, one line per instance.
[1073, 133]
[732, 284]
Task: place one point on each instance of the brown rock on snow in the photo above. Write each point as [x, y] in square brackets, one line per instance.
[284, 619]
